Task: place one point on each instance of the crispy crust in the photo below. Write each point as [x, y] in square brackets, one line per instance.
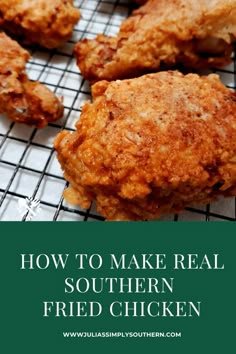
[152, 145]
[21, 100]
[195, 34]
[48, 23]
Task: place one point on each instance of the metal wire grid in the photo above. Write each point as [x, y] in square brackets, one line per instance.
[28, 165]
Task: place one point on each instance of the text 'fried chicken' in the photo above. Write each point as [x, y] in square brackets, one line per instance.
[48, 23]
[21, 100]
[195, 34]
[152, 145]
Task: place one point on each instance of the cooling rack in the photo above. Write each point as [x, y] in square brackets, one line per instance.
[29, 170]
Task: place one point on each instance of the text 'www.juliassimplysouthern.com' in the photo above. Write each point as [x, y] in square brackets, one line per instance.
[122, 334]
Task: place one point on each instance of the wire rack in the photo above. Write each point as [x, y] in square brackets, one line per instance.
[28, 164]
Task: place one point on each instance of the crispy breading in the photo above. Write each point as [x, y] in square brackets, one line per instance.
[162, 34]
[21, 100]
[152, 145]
[48, 23]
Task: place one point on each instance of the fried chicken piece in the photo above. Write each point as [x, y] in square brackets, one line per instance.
[162, 34]
[152, 145]
[48, 23]
[21, 100]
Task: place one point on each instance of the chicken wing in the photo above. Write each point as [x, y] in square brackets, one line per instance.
[48, 23]
[162, 34]
[152, 145]
[21, 100]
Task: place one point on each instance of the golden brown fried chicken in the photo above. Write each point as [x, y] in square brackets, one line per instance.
[152, 145]
[21, 100]
[196, 34]
[48, 23]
